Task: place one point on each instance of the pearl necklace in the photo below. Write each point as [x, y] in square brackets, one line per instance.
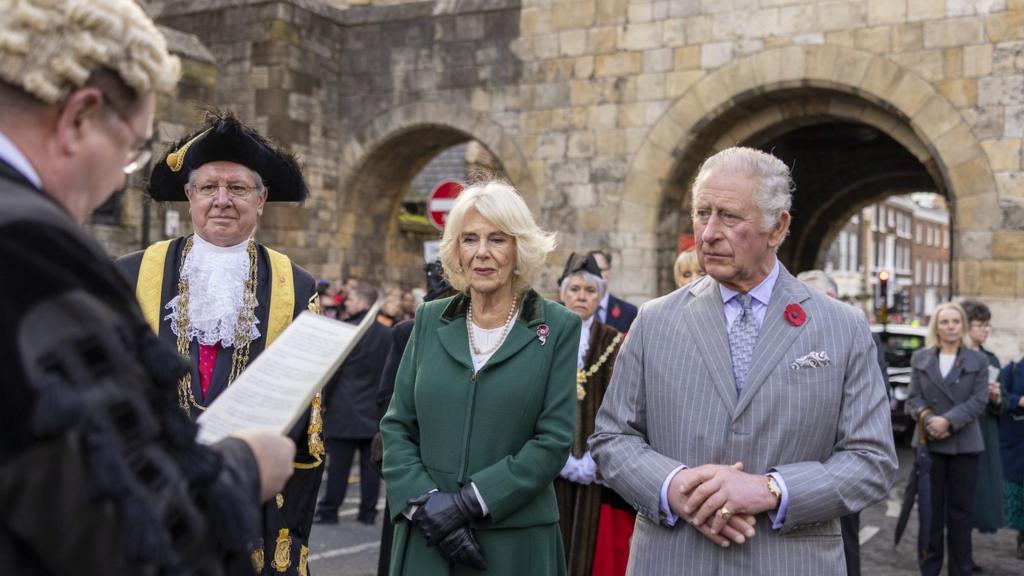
[504, 333]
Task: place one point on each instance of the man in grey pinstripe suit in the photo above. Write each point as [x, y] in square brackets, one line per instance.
[744, 397]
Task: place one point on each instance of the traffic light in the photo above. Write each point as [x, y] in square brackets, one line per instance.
[883, 291]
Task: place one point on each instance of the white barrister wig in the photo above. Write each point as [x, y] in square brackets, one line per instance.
[50, 47]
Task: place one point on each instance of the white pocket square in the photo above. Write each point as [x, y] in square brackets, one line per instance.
[812, 360]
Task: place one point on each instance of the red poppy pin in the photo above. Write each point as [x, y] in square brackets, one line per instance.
[616, 312]
[542, 334]
[795, 314]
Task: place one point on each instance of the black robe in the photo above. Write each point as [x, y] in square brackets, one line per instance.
[99, 472]
[288, 519]
[579, 506]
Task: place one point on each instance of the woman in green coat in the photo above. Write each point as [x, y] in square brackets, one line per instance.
[483, 412]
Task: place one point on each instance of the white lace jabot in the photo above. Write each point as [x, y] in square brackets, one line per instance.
[216, 284]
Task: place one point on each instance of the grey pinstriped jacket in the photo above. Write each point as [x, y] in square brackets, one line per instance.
[825, 429]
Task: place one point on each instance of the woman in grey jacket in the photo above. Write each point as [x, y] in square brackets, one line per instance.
[948, 391]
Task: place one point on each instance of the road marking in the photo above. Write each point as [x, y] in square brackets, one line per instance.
[892, 508]
[346, 551]
[867, 533]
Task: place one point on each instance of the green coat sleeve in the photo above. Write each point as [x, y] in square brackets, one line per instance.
[403, 470]
[515, 480]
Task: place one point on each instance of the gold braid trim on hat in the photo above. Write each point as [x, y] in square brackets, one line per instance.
[583, 375]
[175, 160]
[243, 332]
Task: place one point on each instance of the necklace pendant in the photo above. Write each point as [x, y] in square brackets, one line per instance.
[581, 392]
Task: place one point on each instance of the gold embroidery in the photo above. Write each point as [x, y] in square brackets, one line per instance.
[303, 571]
[316, 443]
[243, 333]
[279, 500]
[583, 375]
[283, 551]
[176, 159]
[257, 558]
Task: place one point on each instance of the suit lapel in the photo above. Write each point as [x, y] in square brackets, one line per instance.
[776, 336]
[708, 319]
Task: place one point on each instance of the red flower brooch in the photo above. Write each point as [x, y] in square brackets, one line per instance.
[795, 314]
[542, 334]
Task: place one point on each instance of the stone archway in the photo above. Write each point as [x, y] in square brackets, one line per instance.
[377, 165]
[758, 97]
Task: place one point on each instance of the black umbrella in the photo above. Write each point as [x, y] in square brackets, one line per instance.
[918, 488]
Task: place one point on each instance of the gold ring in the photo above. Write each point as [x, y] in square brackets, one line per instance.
[725, 513]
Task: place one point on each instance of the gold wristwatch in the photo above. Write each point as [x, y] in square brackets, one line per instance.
[773, 489]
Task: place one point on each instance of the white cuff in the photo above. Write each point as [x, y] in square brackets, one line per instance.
[670, 517]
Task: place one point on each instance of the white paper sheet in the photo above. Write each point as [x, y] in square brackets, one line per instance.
[278, 386]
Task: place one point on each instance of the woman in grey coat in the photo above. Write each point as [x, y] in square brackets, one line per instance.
[948, 391]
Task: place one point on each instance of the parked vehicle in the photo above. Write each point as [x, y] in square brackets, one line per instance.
[900, 341]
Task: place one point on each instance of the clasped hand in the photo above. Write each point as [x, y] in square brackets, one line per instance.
[937, 427]
[443, 518]
[698, 495]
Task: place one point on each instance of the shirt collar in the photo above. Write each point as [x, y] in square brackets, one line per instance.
[585, 327]
[762, 292]
[604, 301]
[10, 153]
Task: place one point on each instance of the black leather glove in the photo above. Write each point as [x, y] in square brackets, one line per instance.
[461, 547]
[440, 513]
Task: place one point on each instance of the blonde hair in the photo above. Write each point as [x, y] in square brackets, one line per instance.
[502, 206]
[48, 48]
[685, 261]
[932, 339]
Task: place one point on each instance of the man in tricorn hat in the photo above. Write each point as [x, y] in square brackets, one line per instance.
[99, 469]
[220, 298]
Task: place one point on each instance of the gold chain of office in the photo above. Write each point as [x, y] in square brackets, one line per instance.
[243, 331]
[583, 375]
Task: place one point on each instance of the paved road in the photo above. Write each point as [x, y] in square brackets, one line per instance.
[351, 548]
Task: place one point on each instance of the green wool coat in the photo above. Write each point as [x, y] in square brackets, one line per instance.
[507, 428]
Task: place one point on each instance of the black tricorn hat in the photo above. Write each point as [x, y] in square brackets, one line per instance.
[223, 138]
[577, 263]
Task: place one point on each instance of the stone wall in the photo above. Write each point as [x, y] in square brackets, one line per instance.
[599, 111]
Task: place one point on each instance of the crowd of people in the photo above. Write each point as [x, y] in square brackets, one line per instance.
[735, 425]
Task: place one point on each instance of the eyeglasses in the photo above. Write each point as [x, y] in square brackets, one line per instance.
[140, 154]
[235, 189]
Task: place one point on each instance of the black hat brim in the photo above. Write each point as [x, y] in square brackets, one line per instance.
[224, 138]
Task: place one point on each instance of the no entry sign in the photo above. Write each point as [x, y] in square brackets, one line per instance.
[441, 201]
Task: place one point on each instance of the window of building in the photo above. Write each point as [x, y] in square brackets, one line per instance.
[917, 271]
[945, 238]
[945, 273]
[917, 237]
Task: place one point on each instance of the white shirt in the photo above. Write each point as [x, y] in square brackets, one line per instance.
[946, 363]
[12, 155]
[489, 339]
[581, 357]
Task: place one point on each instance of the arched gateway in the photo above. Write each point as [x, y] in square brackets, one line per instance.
[817, 105]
